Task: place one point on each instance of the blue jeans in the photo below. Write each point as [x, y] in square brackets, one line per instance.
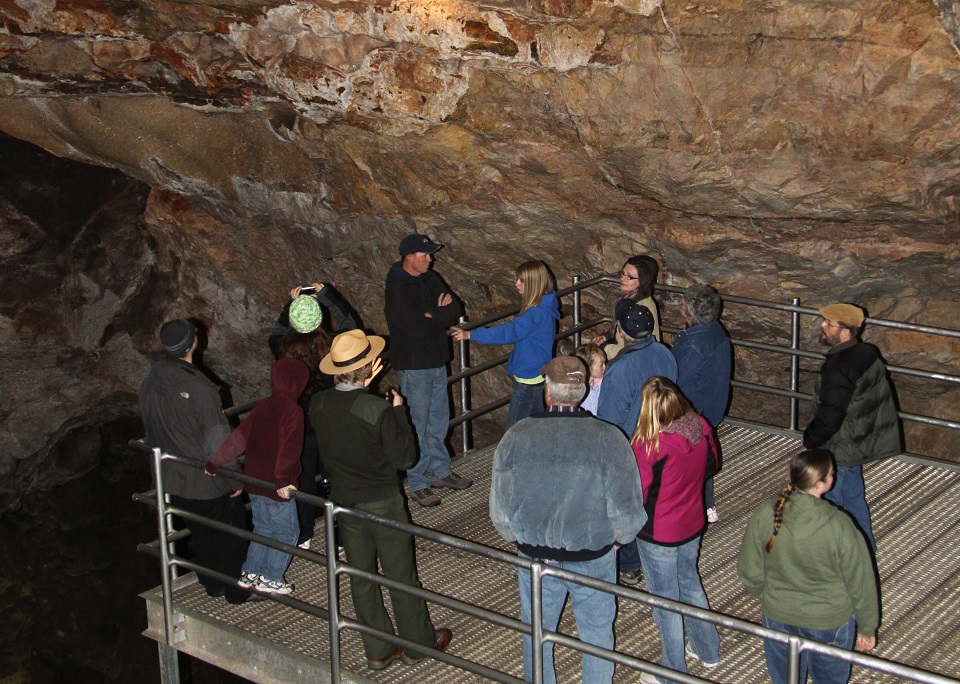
[526, 399]
[629, 557]
[425, 390]
[276, 520]
[671, 572]
[593, 610]
[848, 493]
[825, 670]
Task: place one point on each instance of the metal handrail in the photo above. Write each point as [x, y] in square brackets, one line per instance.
[794, 352]
[171, 563]
[538, 571]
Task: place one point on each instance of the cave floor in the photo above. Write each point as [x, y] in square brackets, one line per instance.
[916, 518]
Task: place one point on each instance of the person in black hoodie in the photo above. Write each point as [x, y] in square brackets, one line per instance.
[182, 415]
[419, 309]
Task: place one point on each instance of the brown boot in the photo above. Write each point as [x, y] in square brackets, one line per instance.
[384, 662]
[440, 642]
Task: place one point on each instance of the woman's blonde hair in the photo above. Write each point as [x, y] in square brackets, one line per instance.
[663, 403]
[806, 469]
[537, 282]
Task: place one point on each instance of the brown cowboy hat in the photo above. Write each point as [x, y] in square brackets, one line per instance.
[351, 350]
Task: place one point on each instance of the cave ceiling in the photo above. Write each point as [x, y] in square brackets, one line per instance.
[777, 148]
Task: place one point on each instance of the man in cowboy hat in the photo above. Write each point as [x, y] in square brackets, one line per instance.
[855, 415]
[363, 442]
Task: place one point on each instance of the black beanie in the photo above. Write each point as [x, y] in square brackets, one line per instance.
[177, 336]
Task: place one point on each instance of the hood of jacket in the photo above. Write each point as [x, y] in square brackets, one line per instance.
[805, 515]
[288, 378]
[551, 305]
[397, 273]
[687, 426]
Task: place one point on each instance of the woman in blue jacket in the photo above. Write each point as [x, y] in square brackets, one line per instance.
[532, 334]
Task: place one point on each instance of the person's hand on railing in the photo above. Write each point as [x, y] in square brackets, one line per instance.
[459, 334]
[284, 492]
[866, 643]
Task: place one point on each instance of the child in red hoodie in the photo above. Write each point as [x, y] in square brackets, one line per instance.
[272, 437]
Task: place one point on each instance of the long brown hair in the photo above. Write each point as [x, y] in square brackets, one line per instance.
[806, 469]
[537, 282]
[663, 403]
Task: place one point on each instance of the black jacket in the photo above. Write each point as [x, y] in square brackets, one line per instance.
[182, 415]
[855, 415]
[418, 341]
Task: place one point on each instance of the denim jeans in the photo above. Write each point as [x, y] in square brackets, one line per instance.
[671, 572]
[849, 494]
[526, 399]
[629, 557]
[275, 520]
[425, 390]
[825, 670]
[593, 610]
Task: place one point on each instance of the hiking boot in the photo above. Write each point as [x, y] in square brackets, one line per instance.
[440, 642]
[692, 654]
[274, 587]
[248, 580]
[713, 515]
[632, 577]
[383, 663]
[452, 481]
[425, 497]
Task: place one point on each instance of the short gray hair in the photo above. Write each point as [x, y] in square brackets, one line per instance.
[568, 395]
[703, 303]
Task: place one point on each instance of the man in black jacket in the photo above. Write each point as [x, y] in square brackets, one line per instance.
[855, 415]
[419, 309]
[182, 415]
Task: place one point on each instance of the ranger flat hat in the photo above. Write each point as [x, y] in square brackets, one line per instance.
[351, 350]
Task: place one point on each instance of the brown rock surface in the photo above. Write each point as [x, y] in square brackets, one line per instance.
[778, 149]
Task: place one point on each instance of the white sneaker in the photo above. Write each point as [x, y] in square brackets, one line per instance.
[647, 678]
[692, 654]
[279, 588]
[713, 516]
[305, 545]
[248, 580]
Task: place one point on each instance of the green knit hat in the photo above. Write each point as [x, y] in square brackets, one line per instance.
[305, 314]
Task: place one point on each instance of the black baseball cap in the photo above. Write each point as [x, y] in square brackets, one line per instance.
[412, 244]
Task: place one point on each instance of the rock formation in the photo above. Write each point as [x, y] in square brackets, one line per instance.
[777, 148]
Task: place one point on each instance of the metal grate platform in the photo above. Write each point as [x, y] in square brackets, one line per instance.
[916, 519]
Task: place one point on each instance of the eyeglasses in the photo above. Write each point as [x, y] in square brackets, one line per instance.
[831, 324]
[627, 276]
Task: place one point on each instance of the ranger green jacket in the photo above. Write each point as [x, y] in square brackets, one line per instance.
[855, 417]
[818, 572]
[363, 442]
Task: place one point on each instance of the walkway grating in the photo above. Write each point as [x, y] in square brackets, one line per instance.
[916, 517]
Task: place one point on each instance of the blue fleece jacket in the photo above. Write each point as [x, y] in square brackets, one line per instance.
[532, 334]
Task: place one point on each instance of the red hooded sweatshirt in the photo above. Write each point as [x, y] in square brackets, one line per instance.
[272, 435]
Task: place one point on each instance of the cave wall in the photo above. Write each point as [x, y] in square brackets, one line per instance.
[776, 148]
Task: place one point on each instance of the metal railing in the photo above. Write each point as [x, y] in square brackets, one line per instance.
[170, 563]
[465, 372]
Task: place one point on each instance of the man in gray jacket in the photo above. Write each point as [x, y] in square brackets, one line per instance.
[566, 488]
[855, 417]
[182, 415]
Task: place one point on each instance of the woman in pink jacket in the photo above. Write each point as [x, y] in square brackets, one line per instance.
[675, 452]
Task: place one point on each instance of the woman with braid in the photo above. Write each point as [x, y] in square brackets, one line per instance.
[811, 569]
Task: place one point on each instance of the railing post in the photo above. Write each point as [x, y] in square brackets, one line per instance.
[466, 427]
[166, 580]
[793, 660]
[576, 311]
[794, 364]
[333, 599]
[536, 622]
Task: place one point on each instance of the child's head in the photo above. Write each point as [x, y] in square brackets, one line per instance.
[593, 356]
[533, 281]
